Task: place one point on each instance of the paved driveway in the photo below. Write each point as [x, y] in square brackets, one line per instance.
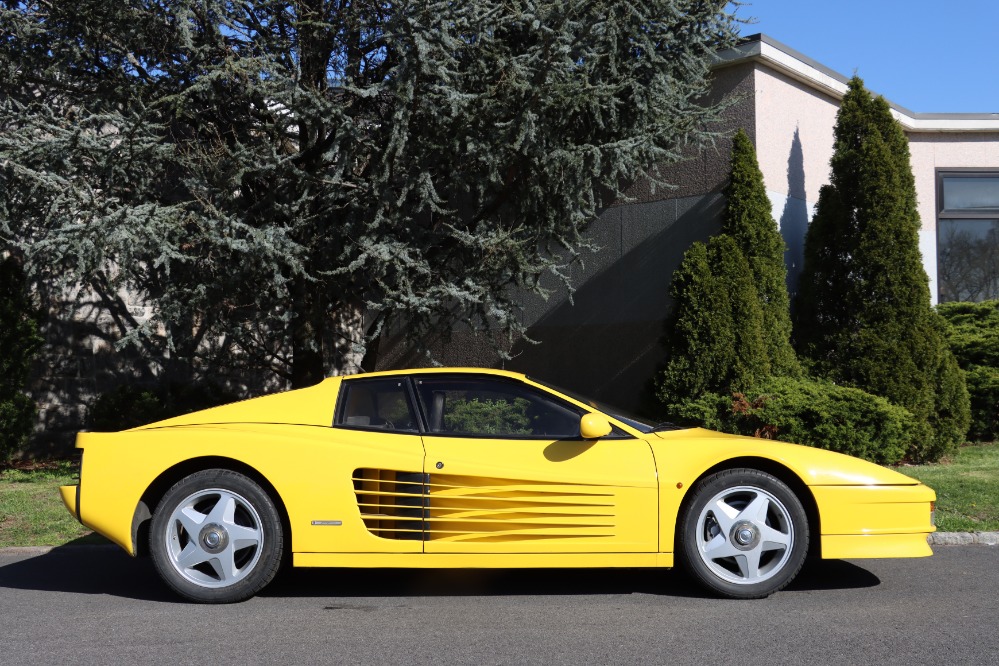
[96, 605]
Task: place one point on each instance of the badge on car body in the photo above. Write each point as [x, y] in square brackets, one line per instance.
[327, 522]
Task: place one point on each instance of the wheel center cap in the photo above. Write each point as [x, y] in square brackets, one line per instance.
[745, 535]
[214, 538]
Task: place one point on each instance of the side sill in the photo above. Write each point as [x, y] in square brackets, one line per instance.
[483, 561]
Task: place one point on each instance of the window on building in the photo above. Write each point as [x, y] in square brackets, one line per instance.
[968, 234]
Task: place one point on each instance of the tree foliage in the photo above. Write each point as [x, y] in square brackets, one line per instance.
[715, 338]
[287, 179]
[748, 219]
[863, 313]
[19, 341]
[973, 336]
[493, 417]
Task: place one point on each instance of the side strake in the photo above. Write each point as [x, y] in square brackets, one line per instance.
[404, 505]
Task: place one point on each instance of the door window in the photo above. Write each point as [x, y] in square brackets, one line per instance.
[486, 407]
[378, 404]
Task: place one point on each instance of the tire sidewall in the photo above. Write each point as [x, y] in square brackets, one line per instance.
[709, 487]
[271, 549]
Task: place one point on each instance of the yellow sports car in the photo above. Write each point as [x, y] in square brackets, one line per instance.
[471, 468]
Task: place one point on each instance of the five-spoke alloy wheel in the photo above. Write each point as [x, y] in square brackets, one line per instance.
[216, 537]
[744, 534]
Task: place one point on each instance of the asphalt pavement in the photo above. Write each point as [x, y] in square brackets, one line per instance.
[95, 605]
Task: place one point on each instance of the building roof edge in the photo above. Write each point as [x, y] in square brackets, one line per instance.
[768, 51]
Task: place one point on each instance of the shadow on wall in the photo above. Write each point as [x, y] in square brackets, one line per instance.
[793, 220]
[607, 343]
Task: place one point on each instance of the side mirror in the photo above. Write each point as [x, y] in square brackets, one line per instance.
[594, 426]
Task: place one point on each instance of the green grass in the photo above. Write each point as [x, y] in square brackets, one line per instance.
[967, 488]
[31, 511]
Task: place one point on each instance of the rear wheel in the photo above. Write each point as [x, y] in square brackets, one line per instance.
[744, 534]
[216, 537]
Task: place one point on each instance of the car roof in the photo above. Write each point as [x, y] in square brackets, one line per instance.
[435, 371]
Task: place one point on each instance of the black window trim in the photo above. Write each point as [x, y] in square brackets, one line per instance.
[341, 405]
[957, 213]
[422, 422]
[963, 213]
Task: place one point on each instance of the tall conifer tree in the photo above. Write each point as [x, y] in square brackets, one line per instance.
[749, 221]
[715, 341]
[863, 316]
[288, 178]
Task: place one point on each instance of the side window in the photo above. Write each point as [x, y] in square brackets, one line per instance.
[483, 407]
[378, 404]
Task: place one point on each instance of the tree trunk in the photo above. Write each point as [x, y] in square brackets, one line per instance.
[306, 336]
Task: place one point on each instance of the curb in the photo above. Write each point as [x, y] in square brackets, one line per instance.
[934, 539]
[964, 539]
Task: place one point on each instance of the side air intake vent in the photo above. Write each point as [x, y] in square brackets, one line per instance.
[392, 503]
[411, 505]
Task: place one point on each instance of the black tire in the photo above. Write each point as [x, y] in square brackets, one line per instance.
[238, 547]
[743, 534]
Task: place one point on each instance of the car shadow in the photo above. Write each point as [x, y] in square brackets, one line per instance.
[816, 575]
[85, 569]
[106, 570]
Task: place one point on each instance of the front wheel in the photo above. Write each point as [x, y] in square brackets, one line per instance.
[216, 537]
[744, 534]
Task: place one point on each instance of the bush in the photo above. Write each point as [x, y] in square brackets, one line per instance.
[716, 338]
[973, 335]
[864, 317]
[812, 412]
[131, 405]
[951, 410]
[973, 332]
[983, 385]
[748, 219]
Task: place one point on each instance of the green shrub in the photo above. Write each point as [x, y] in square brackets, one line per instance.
[812, 412]
[951, 415]
[131, 405]
[863, 315]
[973, 336]
[748, 219]
[973, 332]
[19, 342]
[983, 385]
[716, 338]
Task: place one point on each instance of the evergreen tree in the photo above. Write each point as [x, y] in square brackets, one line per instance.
[715, 340]
[863, 317]
[286, 179]
[19, 341]
[748, 220]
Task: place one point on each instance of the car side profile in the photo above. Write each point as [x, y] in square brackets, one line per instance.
[475, 468]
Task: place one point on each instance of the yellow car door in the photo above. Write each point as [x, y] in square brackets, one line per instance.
[378, 448]
[506, 471]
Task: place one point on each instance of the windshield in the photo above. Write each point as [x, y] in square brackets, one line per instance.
[639, 423]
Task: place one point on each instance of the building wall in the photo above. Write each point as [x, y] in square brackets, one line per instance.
[794, 143]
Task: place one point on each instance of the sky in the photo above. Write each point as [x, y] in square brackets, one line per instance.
[927, 56]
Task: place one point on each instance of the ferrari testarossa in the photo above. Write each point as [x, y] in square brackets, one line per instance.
[473, 468]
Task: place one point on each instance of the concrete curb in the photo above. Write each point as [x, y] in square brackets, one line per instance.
[935, 539]
[964, 539]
